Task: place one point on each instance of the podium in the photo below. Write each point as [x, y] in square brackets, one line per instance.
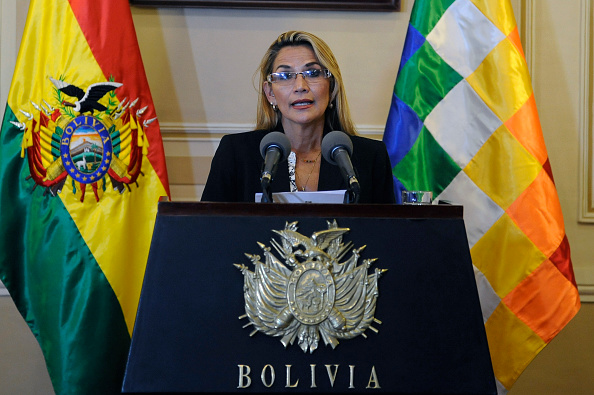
[192, 333]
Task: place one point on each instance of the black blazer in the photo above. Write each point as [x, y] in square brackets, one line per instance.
[236, 166]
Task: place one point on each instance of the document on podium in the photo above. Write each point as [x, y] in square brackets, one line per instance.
[335, 197]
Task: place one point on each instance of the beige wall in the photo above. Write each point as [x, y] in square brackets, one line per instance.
[200, 64]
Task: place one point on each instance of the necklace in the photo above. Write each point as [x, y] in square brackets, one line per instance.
[303, 186]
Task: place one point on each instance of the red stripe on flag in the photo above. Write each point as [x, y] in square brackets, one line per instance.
[123, 61]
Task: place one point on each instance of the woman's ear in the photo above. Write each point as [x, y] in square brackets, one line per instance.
[267, 87]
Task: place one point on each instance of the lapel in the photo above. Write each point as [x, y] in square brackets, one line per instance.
[281, 179]
[330, 177]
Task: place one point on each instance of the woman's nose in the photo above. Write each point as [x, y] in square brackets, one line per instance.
[300, 83]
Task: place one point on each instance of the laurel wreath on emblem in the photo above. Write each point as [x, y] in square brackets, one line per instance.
[312, 293]
[86, 140]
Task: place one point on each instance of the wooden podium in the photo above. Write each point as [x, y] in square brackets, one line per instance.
[188, 335]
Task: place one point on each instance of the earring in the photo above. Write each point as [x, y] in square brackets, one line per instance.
[274, 108]
[331, 105]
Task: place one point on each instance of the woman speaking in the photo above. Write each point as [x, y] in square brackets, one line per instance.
[302, 96]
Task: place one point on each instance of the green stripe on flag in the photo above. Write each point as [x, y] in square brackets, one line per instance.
[425, 80]
[426, 167]
[426, 13]
[55, 281]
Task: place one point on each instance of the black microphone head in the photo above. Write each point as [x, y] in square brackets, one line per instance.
[334, 140]
[276, 139]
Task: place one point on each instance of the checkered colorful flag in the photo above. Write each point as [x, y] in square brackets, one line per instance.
[463, 124]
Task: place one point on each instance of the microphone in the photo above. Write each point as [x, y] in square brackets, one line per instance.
[275, 147]
[337, 149]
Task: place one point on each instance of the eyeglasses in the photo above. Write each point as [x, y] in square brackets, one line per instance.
[312, 76]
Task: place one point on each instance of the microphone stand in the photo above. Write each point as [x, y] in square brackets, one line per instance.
[265, 181]
[266, 194]
[352, 194]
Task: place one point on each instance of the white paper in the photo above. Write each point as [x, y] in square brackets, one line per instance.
[335, 197]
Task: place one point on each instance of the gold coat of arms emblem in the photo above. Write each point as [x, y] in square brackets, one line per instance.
[310, 290]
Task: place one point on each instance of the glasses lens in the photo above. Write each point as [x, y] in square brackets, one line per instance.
[312, 74]
[319, 74]
[282, 77]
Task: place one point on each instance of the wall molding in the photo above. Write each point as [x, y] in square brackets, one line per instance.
[586, 175]
[527, 32]
[586, 293]
[219, 129]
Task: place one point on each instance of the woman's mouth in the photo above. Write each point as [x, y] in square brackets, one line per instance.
[301, 103]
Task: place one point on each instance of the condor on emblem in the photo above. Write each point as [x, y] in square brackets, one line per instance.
[312, 293]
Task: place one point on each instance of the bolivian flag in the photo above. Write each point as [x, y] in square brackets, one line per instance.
[82, 168]
[464, 124]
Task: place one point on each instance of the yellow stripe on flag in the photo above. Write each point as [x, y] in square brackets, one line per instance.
[123, 267]
[63, 45]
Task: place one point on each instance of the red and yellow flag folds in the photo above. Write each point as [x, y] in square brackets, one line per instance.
[464, 124]
[82, 168]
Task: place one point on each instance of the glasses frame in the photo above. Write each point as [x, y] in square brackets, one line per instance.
[304, 74]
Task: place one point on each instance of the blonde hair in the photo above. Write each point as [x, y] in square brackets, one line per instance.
[338, 116]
